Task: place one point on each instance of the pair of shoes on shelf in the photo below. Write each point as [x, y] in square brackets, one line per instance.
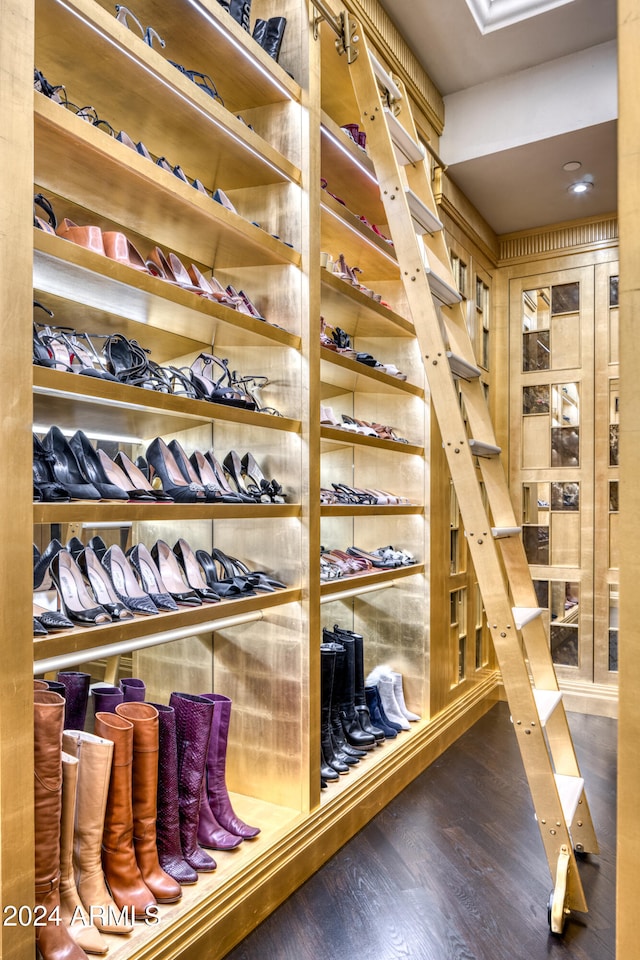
[231, 578]
[367, 429]
[249, 479]
[354, 132]
[349, 565]
[391, 706]
[218, 388]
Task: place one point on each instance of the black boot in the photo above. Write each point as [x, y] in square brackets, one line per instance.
[360, 700]
[273, 36]
[260, 31]
[344, 751]
[327, 668]
[353, 732]
[240, 10]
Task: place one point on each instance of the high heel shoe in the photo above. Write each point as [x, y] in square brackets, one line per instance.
[220, 390]
[44, 480]
[149, 575]
[125, 584]
[171, 575]
[211, 288]
[138, 480]
[193, 572]
[76, 602]
[252, 471]
[221, 477]
[41, 574]
[118, 477]
[208, 477]
[51, 620]
[233, 466]
[101, 584]
[257, 579]
[165, 467]
[172, 270]
[223, 586]
[66, 467]
[89, 237]
[190, 475]
[93, 469]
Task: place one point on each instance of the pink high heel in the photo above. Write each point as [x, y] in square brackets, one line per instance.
[89, 237]
[118, 247]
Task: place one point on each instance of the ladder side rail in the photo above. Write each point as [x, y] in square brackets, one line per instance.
[530, 735]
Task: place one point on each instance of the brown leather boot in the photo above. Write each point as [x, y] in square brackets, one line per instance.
[123, 877]
[144, 718]
[72, 912]
[94, 771]
[53, 940]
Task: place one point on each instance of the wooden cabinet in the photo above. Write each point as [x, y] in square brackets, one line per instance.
[266, 141]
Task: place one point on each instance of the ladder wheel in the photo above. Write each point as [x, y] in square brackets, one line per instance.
[555, 926]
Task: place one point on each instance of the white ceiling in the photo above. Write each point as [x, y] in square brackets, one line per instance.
[521, 184]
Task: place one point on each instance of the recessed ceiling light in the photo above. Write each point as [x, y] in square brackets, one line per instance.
[582, 186]
[571, 165]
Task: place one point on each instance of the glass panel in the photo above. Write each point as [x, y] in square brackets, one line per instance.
[535, 310]
[462, 649]
[542, 593]
[613, 291]
[565, 596]
[565, 496]
[613, 496]
[565, 447]
[613, 626]
[535, 351]
[613, 445]
[565, 404]
[535, 503]
[535, 399]
[614, 417]
[536, 544]
[565, 298]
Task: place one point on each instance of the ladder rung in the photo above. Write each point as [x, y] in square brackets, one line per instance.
[481, 449]
[462, 368]
[570, 790]
[524, 615]
[385, 79]
[407, 149]
[546, 702]
[499, 533]
[423, 219]
[441, 289]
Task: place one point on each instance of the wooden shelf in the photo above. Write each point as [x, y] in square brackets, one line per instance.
[93, 513]
[346, 437]
[369, 509]
[349, 173]
[72, 401]
[115, 186]
[372, 578]
[346, 306]
[83, 639]
[95, 293]
[138, 90]
[347, 374]
[343, 232]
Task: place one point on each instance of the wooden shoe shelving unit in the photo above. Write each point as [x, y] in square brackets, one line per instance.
[261, 652]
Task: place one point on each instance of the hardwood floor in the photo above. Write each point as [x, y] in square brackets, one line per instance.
[454, 869]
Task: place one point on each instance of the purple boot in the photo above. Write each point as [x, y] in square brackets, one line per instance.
[219, 801]
[106, 699]
[193, 728]
[168, 817]
[133, 689]
[76, 698]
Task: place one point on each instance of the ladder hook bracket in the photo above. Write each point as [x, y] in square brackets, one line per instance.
[342, 25]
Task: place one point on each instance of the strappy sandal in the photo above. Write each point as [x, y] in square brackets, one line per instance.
[201, 80]
[252, 385]
[374, 559]
[148, 34]
[55, 92]
[220, 390]
[328, 569]
[50, 224]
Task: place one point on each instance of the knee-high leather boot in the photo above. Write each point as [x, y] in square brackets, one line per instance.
[273, 35]
[353, 732]
[76, 698]
[168, 816]
[127, 887]
[348, 753]
[53, 939]
[144, 718]
[216, 770]
[240, 10]
[72, 913]
[94, 755]
[330, 754]
[359, 699]
[106, 699]
[193, 729]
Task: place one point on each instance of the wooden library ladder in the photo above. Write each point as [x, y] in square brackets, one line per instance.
[494, 537]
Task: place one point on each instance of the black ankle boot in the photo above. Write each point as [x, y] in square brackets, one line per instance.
[240, 10]
[273, 36]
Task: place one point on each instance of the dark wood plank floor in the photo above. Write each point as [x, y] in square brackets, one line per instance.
[454, 869]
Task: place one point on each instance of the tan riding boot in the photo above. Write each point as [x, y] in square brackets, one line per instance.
[72, 912]
[52, 937]
[144, 718]
[94, 770]
[121, 871]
